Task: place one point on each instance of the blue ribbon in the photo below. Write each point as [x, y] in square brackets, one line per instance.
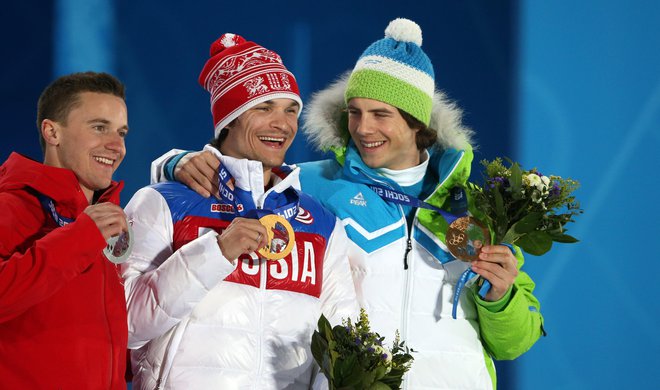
[49, 206]
[483, 284]
[244, 204]
[394, 196]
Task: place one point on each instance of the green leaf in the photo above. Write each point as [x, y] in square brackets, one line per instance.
[535, 243]
[528, 223]
[515, 181]
[324, 327]
[564, 238]
[501, 220]
[319, 346]
[379, 386]
[347, 371]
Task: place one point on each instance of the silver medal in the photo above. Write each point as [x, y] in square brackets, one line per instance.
[119, 247]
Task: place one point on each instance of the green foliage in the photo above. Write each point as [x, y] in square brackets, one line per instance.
[351, 356]
[525, 208]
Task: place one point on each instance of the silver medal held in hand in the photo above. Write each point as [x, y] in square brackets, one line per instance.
[119, 247]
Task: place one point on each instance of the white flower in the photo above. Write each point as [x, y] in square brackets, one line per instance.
[386, 356]
[541, 183]
[545, 180]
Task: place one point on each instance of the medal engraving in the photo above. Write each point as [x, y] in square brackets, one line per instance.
[465, 238]
[119, 247]
[280, 237]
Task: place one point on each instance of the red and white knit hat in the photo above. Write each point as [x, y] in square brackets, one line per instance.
[241, 74]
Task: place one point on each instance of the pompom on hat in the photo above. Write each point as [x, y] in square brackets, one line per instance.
[395, 70]
[240, 75]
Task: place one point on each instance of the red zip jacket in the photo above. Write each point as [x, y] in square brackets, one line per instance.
[62, 305]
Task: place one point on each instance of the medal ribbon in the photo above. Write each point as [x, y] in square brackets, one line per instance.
[243, 204]
[458, 204]
[49, 207]
[394, 196]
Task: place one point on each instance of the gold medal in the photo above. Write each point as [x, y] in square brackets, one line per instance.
[465, 238]
[280, 237]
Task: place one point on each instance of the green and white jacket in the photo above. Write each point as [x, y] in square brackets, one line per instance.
[406, 279]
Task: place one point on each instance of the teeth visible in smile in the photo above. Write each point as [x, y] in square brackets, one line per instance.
[372, 144]
[271, 139]
[104, 160]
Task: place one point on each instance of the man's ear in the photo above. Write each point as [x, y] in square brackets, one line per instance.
[51, 132]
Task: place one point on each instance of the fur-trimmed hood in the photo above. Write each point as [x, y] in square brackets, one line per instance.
[325, 121]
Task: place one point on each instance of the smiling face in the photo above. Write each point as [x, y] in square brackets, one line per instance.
[263, 133]
[381, 135]
[90, 142]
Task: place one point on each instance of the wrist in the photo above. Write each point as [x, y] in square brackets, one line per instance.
[170, 166]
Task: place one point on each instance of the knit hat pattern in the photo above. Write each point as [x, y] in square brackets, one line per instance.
[395, 70]
[240, 75]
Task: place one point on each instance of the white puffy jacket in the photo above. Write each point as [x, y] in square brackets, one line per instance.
[197, 321]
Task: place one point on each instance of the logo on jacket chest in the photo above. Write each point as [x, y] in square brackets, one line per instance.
[301, 271]
[358, 200]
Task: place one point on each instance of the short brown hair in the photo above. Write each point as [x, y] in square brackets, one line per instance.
[63, 95]
[426, 136]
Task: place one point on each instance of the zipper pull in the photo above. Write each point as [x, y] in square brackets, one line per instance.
[405, 257]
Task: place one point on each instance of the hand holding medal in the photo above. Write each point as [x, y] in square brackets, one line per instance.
[271, 231]
[119, 247]
[280, 237]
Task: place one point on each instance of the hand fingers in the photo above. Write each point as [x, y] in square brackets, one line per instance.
[198, 171]
[497, 265]
[109, 218]
[498, 254]
[242, 236]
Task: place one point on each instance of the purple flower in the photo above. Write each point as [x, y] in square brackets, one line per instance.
[555, 190]
[494, 181]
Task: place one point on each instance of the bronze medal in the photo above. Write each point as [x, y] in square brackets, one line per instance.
[465, 238]
[280, 237]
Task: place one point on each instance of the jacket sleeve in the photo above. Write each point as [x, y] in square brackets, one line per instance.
[158, 165]
[163, 286]
[511, 331]
[30, 276]
[338, 297]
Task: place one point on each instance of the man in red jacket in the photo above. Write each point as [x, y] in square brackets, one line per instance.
[62, 305]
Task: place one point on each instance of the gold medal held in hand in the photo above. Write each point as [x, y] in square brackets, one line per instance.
[280, 237]
[465, 238]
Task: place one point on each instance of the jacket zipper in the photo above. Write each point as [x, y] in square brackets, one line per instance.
[262, 291]
[408, 270]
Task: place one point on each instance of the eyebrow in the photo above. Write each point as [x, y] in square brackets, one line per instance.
[272, 103]
[374, 110]
[105, 122]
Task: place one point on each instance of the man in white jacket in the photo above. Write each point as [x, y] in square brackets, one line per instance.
[225, 293]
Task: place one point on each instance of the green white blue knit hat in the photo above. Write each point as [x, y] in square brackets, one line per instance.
[395, 70]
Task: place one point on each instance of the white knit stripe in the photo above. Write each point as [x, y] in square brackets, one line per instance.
[267, 68]
[231, 58]
[399, 70]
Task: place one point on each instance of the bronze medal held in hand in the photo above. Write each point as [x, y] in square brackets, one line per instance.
[280, 237]
[465, 238]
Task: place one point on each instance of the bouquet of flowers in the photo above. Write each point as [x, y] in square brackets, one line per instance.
[525, 208]
[351, 356]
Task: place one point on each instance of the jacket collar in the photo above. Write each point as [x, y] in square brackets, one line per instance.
[249, 176]
[59, 184]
